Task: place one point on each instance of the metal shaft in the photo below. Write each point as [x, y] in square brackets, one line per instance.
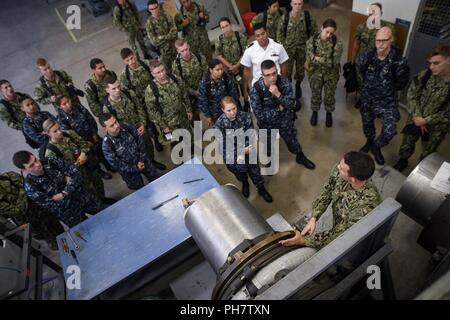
[220, 220]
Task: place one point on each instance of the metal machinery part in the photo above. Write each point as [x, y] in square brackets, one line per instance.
[239, 244]
[419, 201]
[430, 208]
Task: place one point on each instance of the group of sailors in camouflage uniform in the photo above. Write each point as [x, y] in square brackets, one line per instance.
[152, 97]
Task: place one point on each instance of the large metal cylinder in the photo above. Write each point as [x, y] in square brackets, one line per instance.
[220, 220]
[420, 201]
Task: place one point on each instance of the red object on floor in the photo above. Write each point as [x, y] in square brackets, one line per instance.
[247, 19]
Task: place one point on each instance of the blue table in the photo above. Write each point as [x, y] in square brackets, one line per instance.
[129, 235]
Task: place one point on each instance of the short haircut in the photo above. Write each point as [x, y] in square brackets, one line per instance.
[48, 124]
[59, 99]
[154, 64]
[94, 62]
[361, 165]
[227, 100]
[41, 62]
[109, 79]
[224, 19]
[103, 118]
[149, 2]
[3, 81]
[180, 42]
[23, 98]
[20, 158]
[440, 51]
[271, 2]
[126, 52]
[213, 63]
[329, 23]
[267, 64]
[379, 5]
[258, 26]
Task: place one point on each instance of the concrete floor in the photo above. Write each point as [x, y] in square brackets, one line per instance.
[32, 29]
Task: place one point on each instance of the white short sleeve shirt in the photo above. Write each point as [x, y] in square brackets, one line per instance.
[255, 54]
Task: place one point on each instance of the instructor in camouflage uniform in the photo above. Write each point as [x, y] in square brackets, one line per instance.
[352, 195]
[162, 32]
[323, 57]
[294, 29]
[192, 20]
[428, 107]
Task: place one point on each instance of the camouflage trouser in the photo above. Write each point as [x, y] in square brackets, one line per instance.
[79, 203]
[199, 42]
[134, 180]
[389, 118]
[297, 58]
[135, 39]
[242, 171]
[436, 136]
[327, 80]
[320, 240]
[168, 54]
[287, 131]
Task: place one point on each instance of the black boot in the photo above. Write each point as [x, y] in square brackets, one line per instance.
[246, 106]
[313, 119]
[401, 164]
[329, 121]
[158, 146]
[105, 175]
[245, 189]
[159, 165]
[298, 105]
[302, 159]
[379, 159]
[365, 148]
[298, 90]
[298, 96]
[266, 195]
